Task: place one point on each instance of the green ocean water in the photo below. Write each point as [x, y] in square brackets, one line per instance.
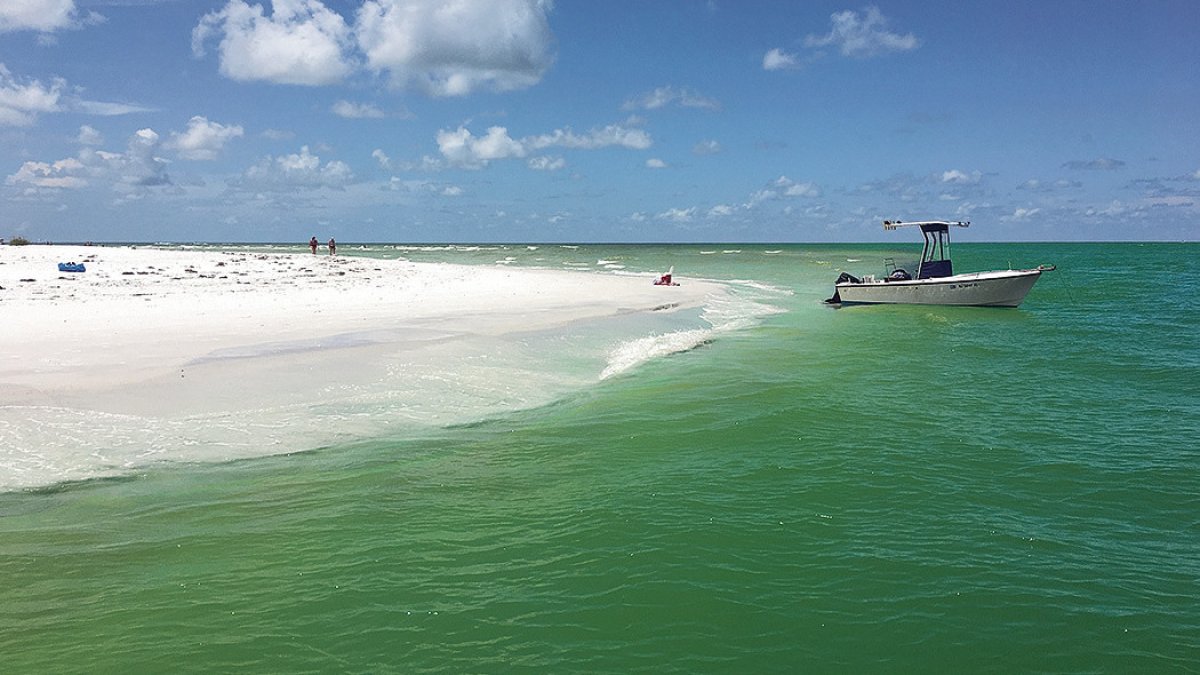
[869, 488]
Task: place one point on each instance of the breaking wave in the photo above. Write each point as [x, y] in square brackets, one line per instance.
[723, 314]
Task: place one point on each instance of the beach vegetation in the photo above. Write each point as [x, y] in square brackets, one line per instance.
[18, 241]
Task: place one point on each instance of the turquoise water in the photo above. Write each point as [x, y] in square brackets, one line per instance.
[871, 488]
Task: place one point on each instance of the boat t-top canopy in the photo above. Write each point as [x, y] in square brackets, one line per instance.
[935, 257]
[926, 225]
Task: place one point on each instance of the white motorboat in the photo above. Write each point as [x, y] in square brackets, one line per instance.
[935, 282]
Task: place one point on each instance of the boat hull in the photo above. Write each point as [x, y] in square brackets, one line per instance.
[982, 289]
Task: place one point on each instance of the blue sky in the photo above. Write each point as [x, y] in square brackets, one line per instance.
[528, 120]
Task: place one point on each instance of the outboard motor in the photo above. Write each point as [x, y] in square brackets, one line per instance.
[844, 277]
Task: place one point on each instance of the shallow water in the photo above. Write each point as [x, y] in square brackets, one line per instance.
[899, 488]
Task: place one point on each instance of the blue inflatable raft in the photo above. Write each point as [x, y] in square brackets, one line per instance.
[71, 267]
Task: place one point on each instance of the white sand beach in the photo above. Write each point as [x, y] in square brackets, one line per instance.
[233, 354]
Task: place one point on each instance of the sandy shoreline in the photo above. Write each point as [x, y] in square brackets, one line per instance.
[138, 311]
[150, 338]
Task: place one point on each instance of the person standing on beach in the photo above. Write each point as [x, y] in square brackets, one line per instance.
[312, 243]
[332, 246]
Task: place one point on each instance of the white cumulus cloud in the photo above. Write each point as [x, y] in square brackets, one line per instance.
[546, 163]
[203, 140]
[777, 59]
[862, 35]
[1022, 213]
[141, 164]
[1101, 164]
[21, 101]
[139, 167]
[1036, 185]
[668, 95]
[446, 48]
[1115, 209]
[356, 110]
[957, 177]
[89, 136]
[780, 188]
[609, 136]
[678, 215]
[760, 196]
[302, 169]
[655, 163]
[462, 148]
[43, 16]
[793, 189]
[301, 42]
[454, 48]
[63, 174]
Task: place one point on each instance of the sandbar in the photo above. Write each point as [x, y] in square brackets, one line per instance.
[151, 350]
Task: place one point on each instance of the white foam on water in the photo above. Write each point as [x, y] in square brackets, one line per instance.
[401, 247]
[636, 352]
[454, 248]
[724, 314]
[758, 285]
